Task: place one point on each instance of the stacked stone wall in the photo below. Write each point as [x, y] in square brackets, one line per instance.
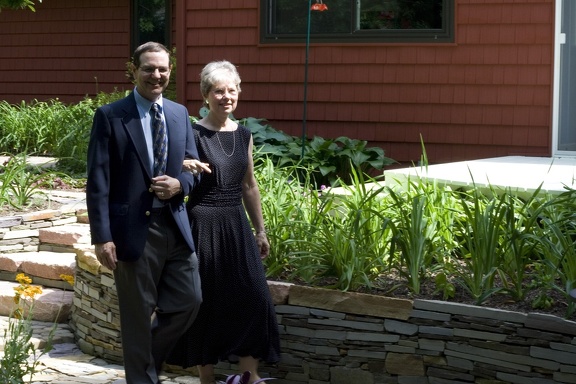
[95, 317]
[332, 337]
[20, 233]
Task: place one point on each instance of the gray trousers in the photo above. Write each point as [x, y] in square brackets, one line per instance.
[159, 297]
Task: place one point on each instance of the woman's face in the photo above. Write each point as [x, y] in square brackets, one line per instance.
[223, 97]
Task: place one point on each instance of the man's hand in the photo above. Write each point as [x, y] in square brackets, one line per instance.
[106, 254]
[166, 187]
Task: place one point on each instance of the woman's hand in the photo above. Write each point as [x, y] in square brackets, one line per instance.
[196, 166]
[263, 245]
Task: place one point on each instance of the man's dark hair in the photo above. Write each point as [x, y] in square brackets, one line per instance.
[150, 46]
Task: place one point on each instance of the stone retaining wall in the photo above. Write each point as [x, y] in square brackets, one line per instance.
[20, 233]
[95, 316]
[437, 342]
[332, 337]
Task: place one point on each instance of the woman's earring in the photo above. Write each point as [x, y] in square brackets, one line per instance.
[206, 101]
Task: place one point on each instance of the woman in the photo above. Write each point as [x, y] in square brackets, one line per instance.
[236, 321]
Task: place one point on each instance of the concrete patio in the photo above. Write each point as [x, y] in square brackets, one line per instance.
[520, 174]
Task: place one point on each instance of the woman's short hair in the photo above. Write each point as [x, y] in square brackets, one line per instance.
[217, 72]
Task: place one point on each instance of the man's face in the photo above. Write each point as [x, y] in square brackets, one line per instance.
[153, 74]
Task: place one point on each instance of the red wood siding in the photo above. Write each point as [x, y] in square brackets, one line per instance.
[66, 49]
[488, 94]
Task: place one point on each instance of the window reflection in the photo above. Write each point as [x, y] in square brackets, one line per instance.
[354, 20]
[151, 21]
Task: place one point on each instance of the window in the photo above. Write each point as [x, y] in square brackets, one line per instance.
[151, 22]
[351, 21]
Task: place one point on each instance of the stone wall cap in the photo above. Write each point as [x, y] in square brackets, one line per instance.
[350, 302]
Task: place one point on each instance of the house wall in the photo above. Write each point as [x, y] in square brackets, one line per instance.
[66, 49]
[487, 94]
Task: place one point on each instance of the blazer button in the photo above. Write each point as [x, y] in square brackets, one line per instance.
[148, 213]
[150, 190]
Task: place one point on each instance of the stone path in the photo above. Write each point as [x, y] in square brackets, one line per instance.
[65, 363]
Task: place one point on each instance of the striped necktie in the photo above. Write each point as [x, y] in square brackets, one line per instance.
[160, 141]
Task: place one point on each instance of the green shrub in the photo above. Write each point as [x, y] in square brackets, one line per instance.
[55, 129]
[329, 160]
[51, 128]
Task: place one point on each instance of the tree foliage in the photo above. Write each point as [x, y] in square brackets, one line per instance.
[18, 4]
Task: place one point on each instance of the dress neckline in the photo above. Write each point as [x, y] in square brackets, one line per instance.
[219, 130]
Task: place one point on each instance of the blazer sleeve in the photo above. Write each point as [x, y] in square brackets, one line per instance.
[187, 179]
[98, 178]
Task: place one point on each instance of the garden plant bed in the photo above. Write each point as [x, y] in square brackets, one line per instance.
[391, 285]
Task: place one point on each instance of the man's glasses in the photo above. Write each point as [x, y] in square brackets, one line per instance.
[150, 70]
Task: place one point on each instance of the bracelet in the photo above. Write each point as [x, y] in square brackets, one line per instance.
[262, 231]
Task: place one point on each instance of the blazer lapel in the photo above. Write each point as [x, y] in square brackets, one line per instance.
[176, 140]
[133, 126]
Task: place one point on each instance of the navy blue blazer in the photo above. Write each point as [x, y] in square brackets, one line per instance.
[118, 194]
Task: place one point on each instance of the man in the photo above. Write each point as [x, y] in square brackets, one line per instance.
[138, 221]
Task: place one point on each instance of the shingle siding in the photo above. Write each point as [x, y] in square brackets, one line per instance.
[66, 49]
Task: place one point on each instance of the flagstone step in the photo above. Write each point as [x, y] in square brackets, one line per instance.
[52, 305]
[44, 268]
[66, 234]
[58, 247]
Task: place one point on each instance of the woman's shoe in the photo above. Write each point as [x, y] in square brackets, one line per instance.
[243, 378]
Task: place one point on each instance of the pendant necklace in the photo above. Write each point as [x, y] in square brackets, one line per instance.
[233, 145]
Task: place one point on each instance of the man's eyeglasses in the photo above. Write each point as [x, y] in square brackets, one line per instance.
[151, 70]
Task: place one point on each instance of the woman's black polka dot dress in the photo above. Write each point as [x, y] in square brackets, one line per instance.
[237, 315]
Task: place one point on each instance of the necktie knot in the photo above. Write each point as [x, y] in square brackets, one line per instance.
[160, 144]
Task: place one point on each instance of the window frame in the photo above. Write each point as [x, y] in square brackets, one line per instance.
[442, 35]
